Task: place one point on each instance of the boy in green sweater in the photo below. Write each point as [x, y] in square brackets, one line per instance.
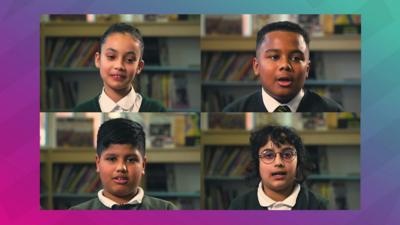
[121, 163]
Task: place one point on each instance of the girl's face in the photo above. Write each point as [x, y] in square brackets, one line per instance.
[119, 62]
[277, 175]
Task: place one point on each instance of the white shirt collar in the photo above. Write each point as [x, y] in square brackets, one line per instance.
[271, 104]
[130, 103]
[109, 203]
[286, 204]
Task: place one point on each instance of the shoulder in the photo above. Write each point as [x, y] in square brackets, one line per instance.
[309, 200]
[91, 204]
[249, 103]
[312, 102]
[248, 200]
[151, 105]
[156, 204]
[89, 106]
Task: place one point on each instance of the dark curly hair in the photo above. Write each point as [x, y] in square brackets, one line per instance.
[279, 135]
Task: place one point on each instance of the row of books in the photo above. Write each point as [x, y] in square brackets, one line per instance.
[218, 197]
[314, 24]
[227, 66]
[227, 161]
[79, 52]
[215, 100]
[171, 89]
[62, 94]
[71, 178]
[70, 52]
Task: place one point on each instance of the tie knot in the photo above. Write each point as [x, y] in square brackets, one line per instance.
[282, 108]
[124, 207]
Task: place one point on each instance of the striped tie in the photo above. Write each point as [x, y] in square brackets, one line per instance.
[282, 108]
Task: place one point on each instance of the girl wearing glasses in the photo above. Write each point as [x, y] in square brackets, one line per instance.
[278, 160]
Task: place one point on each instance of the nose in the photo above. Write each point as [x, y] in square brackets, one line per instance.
[121, 167]
[278, 161]
[285, 64]
[119, 64]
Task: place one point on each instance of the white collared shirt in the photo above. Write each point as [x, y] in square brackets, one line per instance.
[109, 203]
[286, 204]
[271, 104]
[130, 103]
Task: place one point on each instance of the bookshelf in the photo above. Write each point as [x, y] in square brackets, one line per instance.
[68, 75]
[230, 43]
[68, 174]
[81, 157]
[227, 70]
[335, 154]
[332, 138]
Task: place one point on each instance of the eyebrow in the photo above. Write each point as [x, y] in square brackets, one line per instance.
[273, 50]
[128, 155]
[127, 53]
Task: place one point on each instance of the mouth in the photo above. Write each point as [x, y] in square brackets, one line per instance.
[120, 180]
[285, 81]
[279, 175]
[118, 77]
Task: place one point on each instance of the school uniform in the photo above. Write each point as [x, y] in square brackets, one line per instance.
[300, 199]
[139, 202]
[132, 102]
[310, 102]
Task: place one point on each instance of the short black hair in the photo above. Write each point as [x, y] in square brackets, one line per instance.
[279, 135]
[123, 28]
[281, 26]
[121, 131]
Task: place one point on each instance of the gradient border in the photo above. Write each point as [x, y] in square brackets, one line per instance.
[19, 91]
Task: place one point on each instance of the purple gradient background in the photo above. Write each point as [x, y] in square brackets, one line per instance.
[19, 91]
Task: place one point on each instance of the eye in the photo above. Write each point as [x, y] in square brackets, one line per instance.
[130, 60]
[132, 159]
[111, 159]
[288, 154]
[268, 155]
[296, 58]
[273, 57]
[110, 57]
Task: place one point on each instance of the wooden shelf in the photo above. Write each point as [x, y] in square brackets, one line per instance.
[148, 29]
[80, 70]
[249, 83]
[240, 137]
[154, 155]
[239, 43]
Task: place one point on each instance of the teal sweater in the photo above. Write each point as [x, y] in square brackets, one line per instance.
[148, 203]
[148, 105]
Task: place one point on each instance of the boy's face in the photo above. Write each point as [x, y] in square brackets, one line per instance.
[282, 63]
[121, 168]
[279, 175]
[119, 61]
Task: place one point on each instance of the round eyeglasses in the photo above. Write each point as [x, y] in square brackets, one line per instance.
[268, 156]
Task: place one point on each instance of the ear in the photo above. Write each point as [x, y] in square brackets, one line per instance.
[97, 59]
[97, 163]
[140, 66]
[256, 66]
[144, 164]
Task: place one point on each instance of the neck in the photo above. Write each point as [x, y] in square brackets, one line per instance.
[279, 195]
[120, 199]
[116, 95]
